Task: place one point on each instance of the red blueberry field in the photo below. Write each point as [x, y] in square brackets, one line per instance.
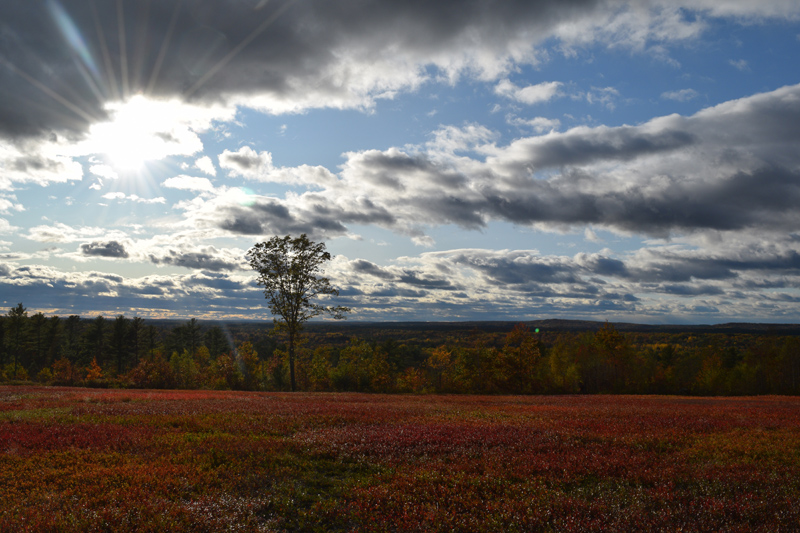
[99, 460]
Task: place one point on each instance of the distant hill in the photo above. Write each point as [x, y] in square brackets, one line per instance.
[556, 325]
[549, 325]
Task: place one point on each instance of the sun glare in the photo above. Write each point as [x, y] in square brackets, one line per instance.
[141, 130]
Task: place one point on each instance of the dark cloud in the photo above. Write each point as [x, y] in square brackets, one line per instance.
[762, 198]
[62, 60]
[243, 160]
[315, 216]
[426, 282]
[671, 175]
[215, 281]
[618, 144]
[32, 163]
[362, 266]
[195, 260]
[104, 249]
[395, 292]
[519, 270]
[683, 269]
[690, 290]
[189, 295]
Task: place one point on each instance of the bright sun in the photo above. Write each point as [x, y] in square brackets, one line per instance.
[141, 130]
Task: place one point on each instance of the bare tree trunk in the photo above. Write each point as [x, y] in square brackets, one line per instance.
[291, 359]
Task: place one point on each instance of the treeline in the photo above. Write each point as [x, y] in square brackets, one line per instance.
[130, 352]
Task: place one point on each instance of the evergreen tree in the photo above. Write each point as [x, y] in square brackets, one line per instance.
[3, 325]
[216, 342]
[72, 331]
[119, 341]
[17, 324]
[37, 330]
[135, 332]
[96, 340]
[52, 340]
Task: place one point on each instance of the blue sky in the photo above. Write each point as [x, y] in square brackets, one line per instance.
[631, 161]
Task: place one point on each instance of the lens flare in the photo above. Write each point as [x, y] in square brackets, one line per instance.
[72, 35]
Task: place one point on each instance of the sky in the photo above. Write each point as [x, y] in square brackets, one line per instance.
[471, 160]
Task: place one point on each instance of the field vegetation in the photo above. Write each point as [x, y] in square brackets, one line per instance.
[74, 459]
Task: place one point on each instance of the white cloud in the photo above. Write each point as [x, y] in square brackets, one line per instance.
[605, 96]
[8, 203]
[205, 165]
[104, 171]
[537, 124]
[60, 232]
[188, 183]
[532, 94]
[669, 176]
[256, 166]
[37, 162]
[121, 196]
[6, 227]
[682, 95]
[452, 139]
[247, 163]
[740, 64]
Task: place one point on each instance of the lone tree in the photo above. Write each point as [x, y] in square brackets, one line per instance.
[290, 271]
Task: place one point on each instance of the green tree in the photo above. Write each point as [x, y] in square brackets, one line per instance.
[3, 322]
[216, 342]
[52, 339]
[119, 341]
[72, 326]
[37, 325]
[96, 340]
[290, 271]
[17, 323]
[135, 332]
[185, 337]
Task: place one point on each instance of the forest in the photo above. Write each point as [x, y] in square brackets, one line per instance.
[468, 358]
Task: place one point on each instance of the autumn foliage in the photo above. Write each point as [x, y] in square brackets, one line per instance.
[75, 459]
[396, 359]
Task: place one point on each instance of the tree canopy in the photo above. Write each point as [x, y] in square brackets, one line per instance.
[290, 270]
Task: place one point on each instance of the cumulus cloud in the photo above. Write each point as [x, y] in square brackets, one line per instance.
[8, 203]
[205, 165]
[246, 162]
[730, 167]
[28, 162]
[199, 294]
[6, 227]
[104, 171]
[112, 249]
[60, 232]
[695, 185]
[537, 124]
[532, 94]
[188, 183]
[121, 196]
[257, 166]
[728, 278]
[206, 258]
[682, 95]
[259, 54]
